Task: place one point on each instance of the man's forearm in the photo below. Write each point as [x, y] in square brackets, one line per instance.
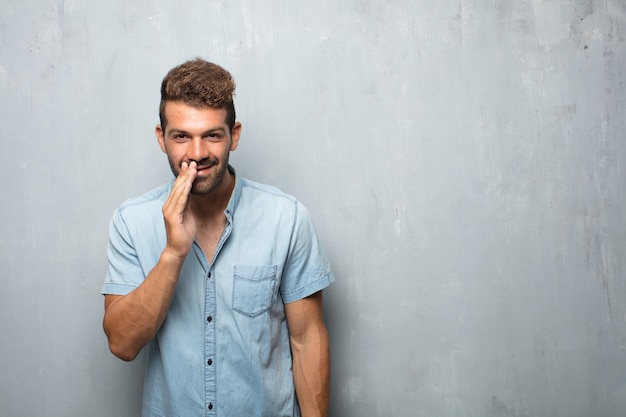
[311, 372]
[132, 320]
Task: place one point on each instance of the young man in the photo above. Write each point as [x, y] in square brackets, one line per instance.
[220, 277]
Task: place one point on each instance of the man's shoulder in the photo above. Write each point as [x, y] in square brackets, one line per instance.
[256, 189]
[148, 200]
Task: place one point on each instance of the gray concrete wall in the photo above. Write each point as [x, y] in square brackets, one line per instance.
[464, 163]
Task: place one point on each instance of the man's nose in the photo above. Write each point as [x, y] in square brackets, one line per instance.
[197, 150]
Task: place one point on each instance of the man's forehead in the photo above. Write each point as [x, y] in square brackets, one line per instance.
[177, 111]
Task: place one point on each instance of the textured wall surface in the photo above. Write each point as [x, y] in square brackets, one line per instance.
[464, 162]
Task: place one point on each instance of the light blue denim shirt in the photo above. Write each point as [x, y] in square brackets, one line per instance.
[223, 349]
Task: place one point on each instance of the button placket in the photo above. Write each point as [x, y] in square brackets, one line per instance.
[209, 345]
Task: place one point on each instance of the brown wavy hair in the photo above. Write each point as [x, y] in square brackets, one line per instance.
[200, 84]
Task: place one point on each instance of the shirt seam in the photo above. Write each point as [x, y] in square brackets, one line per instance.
[326, 275]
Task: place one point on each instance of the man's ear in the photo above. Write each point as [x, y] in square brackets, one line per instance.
[158, 131]
[235, 134]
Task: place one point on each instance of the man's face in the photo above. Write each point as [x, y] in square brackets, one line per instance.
[201, 135]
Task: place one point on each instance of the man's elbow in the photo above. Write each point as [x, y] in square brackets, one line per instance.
[316, 336]
[123, 352]
[119, 345]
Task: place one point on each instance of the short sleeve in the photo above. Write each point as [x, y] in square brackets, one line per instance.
[124, 272]
[307, 269]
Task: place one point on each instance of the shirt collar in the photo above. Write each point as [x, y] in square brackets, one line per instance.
[235, 196]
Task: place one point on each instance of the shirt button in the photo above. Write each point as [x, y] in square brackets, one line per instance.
[209, 319]
[210, 406]
[209, 362]
[209, 276]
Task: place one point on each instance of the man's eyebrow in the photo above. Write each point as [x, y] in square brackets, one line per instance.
[212, 130]
[215, 129]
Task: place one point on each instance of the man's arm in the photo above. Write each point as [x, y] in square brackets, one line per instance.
[311, 356]
[132, 320]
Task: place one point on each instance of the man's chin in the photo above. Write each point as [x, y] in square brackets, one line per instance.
[201, 190]
[202, 186]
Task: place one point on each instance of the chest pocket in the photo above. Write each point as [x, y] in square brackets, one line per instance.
[253, 288]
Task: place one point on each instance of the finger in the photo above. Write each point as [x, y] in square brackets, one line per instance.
[188, 172]
[177, 199]
[179, 194]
